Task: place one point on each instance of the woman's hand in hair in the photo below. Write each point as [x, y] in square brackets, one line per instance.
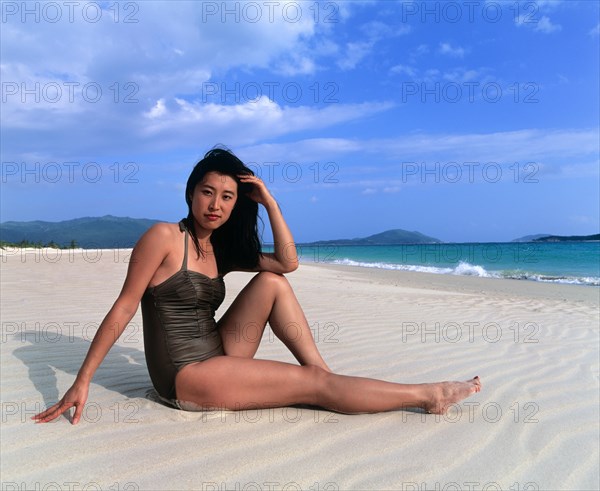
[259, 192]
[284, 258]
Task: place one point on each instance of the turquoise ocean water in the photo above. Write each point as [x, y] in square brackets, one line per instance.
[558, 262]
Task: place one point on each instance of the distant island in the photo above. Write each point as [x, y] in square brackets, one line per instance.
[557, 238]
[568, 238]
[389, 237]
[530, 238]
[107, 232]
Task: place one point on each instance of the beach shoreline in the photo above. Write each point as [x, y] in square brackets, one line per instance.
[472, 284]
[436, 280]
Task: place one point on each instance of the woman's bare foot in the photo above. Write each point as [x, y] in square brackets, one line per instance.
[443, 394]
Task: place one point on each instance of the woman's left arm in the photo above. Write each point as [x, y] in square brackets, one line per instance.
[284, 258]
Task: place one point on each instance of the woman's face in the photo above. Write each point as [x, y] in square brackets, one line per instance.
[213, 200]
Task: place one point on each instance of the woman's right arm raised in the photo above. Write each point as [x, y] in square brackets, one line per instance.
[147, 255]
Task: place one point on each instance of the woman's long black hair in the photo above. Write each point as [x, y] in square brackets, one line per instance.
[235, 243]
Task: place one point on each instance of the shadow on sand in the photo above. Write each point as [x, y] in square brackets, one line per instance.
[123, 370]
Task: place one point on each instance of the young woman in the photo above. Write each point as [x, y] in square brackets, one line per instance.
[176, 272]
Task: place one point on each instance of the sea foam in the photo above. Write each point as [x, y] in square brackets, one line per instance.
[467, 269]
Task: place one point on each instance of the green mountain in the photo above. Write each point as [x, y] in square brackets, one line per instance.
[389, 237]
[530, 238]
[107, 232]
[567, 238]
[556, 238]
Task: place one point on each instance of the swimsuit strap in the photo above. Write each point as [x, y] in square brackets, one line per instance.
[183, 228]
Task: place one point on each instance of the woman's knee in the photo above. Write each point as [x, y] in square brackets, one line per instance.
[269, 276]
[273, 280]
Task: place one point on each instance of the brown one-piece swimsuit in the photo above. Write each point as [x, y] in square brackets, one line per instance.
[179, 324]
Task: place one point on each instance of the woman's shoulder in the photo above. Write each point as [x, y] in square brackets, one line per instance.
[166, 228]
[161, 232]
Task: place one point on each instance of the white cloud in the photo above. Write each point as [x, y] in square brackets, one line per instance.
[297, 65]
[355, 53]
[520, 145]
[374, 32]
[431, 75]
[535, 143]
[420, 50]
[157, 111]
[581, 168]
[448, 49]
[530, 17]
[376, 29]
[247, 122]
[537, 153]
[326, 47]
[404, 69]
[379, 30]
[461, 75]
[166, 53]
[546, 26]
[156, 74]
[547, 4]
[595, 31]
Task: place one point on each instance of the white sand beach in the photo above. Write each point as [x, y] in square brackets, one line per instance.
[534, 426]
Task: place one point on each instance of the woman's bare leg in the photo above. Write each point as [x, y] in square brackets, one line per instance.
[231, 382]
[268, 297]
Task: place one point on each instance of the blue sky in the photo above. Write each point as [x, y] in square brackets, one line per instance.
[466, 121]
